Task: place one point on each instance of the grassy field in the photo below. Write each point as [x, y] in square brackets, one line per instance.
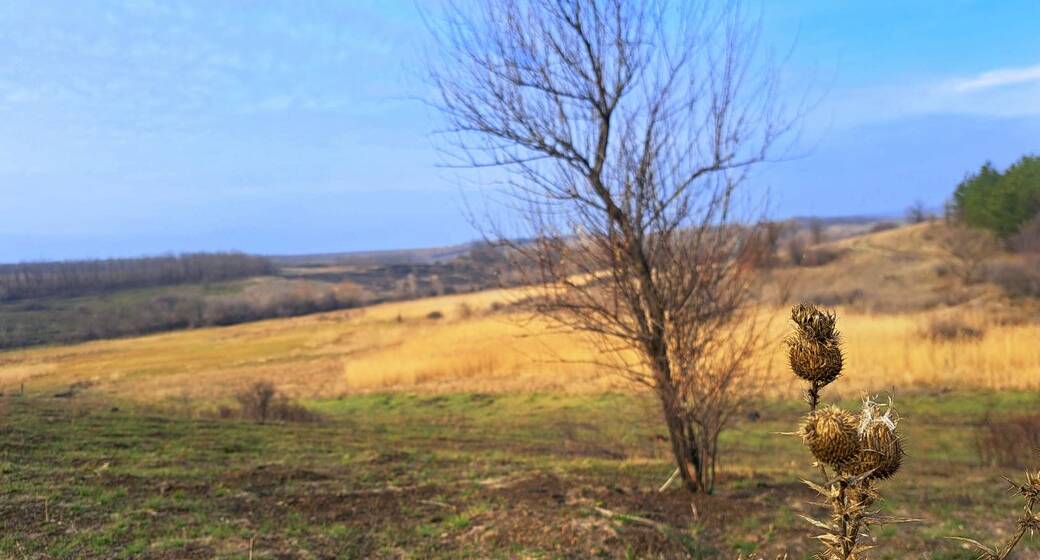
[457, 427]
[479, 345]
[395, 347]
[62, 319]
[462, 475]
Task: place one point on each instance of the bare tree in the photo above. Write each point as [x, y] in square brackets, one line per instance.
[256, 400]
[1027, 240]
[796, 249]
[966, 250]
[817, 231]
[916, 213]
[625, 128]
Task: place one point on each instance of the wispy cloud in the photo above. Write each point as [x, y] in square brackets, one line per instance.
[1001, 77]
[998, 93]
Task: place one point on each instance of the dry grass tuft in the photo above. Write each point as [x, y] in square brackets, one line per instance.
[952, 329]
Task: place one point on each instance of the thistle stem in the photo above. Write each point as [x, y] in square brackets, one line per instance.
[1012, 543]
[1022, 528]
[813, 397]
[849, 516]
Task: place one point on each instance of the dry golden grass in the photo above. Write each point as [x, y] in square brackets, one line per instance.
[892, 271]
[371, 349]
[396, 347]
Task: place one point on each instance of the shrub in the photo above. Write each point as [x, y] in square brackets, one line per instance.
[916, 213]
[950, 329]
[434, 315]
[1010, 442]
[817, 231]
[1027, 240]
[800, 254]
[966, 250]
[285, 410]
[835, 298]
[796, 247]
[820, 256]
[255, 402]
[765, 243]
[1017, 278]
[261, 402]
[465, 311]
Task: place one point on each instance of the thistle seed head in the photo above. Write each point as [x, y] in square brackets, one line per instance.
[830, 434]
[814, 324]
[880, 447]
[813, 361]
[814, 348]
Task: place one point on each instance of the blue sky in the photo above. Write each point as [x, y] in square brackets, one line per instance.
[139, 127]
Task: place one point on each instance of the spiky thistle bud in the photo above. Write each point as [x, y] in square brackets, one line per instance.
[814, 348]
[881, 448]
[831, 435]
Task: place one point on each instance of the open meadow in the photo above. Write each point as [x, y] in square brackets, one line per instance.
[478, 343]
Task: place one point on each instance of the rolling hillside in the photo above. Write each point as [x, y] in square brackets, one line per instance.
[474, 343]
[78, 307]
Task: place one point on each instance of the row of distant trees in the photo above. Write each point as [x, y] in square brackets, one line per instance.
[74, 278]
[58, 321]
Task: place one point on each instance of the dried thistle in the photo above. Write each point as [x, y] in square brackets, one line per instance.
[850, 500]
[814, 348]
[862, 450]
[815, 324]
[880, 446]
[831, 435]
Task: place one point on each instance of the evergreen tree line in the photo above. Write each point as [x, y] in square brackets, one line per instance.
[1001, 202]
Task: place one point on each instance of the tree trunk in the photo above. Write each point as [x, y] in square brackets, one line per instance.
[684, 443]
[700, 457]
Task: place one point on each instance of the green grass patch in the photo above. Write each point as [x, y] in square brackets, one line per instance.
[457, 475]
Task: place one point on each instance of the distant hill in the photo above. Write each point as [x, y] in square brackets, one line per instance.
[847, 220]
[429, 255]
[843, 226]
[865, 262]
[898, 269]
[74, 301]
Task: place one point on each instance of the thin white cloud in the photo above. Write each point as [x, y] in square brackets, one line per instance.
[997, 78]
[999, 93]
